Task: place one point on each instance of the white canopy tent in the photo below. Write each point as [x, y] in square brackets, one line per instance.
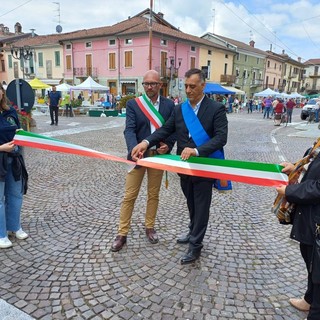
[296, 95]
[63, 87]
[266, 93]
[235, 90]
[90, 84]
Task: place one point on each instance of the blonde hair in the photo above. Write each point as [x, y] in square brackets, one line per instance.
[4, 101]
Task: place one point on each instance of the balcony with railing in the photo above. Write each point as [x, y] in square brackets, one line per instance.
[256, 83]
[85, 72]
[227, 79]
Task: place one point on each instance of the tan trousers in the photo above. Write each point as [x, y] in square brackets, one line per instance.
[133, 184]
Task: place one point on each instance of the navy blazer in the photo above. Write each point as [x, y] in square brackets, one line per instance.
[213, 118]
[138, 125]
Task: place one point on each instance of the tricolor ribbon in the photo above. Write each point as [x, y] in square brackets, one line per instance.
[33, 140]
[262, 174]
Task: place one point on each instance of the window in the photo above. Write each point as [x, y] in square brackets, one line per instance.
[226, 56]
[128, 41]
[237, 72]
[275, 66]
[192, 62]
[268, 64]
[280, 67]
[163, 42]
[89, 44]
[2, 65]
[128, 59]
[68, 62]
[10, 61]
[238, 56]
[245, 58]
[193, 49]
[258, 60]
[112, 61]
[57, 58]
[40, 59]
[112, 42]
[209, 52]
[68, 46]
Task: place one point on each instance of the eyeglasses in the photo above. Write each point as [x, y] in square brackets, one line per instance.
[151, 84]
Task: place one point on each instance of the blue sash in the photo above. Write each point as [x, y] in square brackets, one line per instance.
[200, 136]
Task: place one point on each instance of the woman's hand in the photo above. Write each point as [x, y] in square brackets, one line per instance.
[7, 147]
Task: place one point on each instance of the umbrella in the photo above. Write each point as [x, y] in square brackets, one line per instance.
[38, 84]
[215, 88]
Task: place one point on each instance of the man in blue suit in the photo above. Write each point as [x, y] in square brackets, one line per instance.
[210, 120]
[143, 116]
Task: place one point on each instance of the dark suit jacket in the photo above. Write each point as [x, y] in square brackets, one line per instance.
[306, 196]
[213, 118]
[138, 125]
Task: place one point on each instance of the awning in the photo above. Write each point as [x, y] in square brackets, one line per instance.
[237, 91]
[128, 81]
[51, 82]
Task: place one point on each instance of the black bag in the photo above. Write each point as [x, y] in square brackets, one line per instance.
[315, 263]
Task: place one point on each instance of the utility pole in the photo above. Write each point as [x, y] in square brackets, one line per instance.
[150, 35]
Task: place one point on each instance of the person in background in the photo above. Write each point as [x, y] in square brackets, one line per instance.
[68, 106]
[201, 126]
[143, 116]
[289, 106]
[267, 102]
[13, 175]
[54, 104]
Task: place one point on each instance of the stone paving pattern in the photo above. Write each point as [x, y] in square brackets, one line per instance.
[248, 269]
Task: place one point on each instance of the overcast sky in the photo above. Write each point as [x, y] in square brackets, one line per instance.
[290, 25]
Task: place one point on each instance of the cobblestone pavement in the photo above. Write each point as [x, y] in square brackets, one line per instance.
[248, 269]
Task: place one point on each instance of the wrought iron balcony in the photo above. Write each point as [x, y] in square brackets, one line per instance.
[85, 72]
[227, 78]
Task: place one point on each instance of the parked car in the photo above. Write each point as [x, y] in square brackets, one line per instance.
[310, 107]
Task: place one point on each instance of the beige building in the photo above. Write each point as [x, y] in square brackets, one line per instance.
[273, 72]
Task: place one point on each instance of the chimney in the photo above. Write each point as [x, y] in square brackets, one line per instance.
[161, 15]
[283, 51]
[252, 43]
[17, 28]
[32, 32]
[299, 59]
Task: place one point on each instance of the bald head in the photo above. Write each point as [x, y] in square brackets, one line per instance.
[152, 84]
[151, 74]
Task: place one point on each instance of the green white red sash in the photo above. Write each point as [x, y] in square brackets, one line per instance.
[150, 111]
[263, 174]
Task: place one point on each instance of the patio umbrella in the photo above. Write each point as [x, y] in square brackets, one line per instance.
[38, 84]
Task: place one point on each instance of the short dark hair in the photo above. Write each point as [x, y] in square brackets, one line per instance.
[199, 72]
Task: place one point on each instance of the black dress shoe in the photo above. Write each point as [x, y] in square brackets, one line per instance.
[152, 235]
[190, 257]
[118, 243]
[51, 124]
[184, 239]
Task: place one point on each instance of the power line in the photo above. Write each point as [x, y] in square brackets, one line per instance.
[21, 5]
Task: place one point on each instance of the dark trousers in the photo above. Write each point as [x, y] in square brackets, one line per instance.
[54, 112]
[198, 192]
[69, 107]
[312, 295]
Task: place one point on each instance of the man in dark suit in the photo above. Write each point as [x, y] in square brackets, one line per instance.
[143, 116]
[214, 124]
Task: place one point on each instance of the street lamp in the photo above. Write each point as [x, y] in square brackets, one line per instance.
[22, 54]
[173, 72]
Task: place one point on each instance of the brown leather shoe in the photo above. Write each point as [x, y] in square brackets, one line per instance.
[152, 235]
[300, 304]
[118, 243]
